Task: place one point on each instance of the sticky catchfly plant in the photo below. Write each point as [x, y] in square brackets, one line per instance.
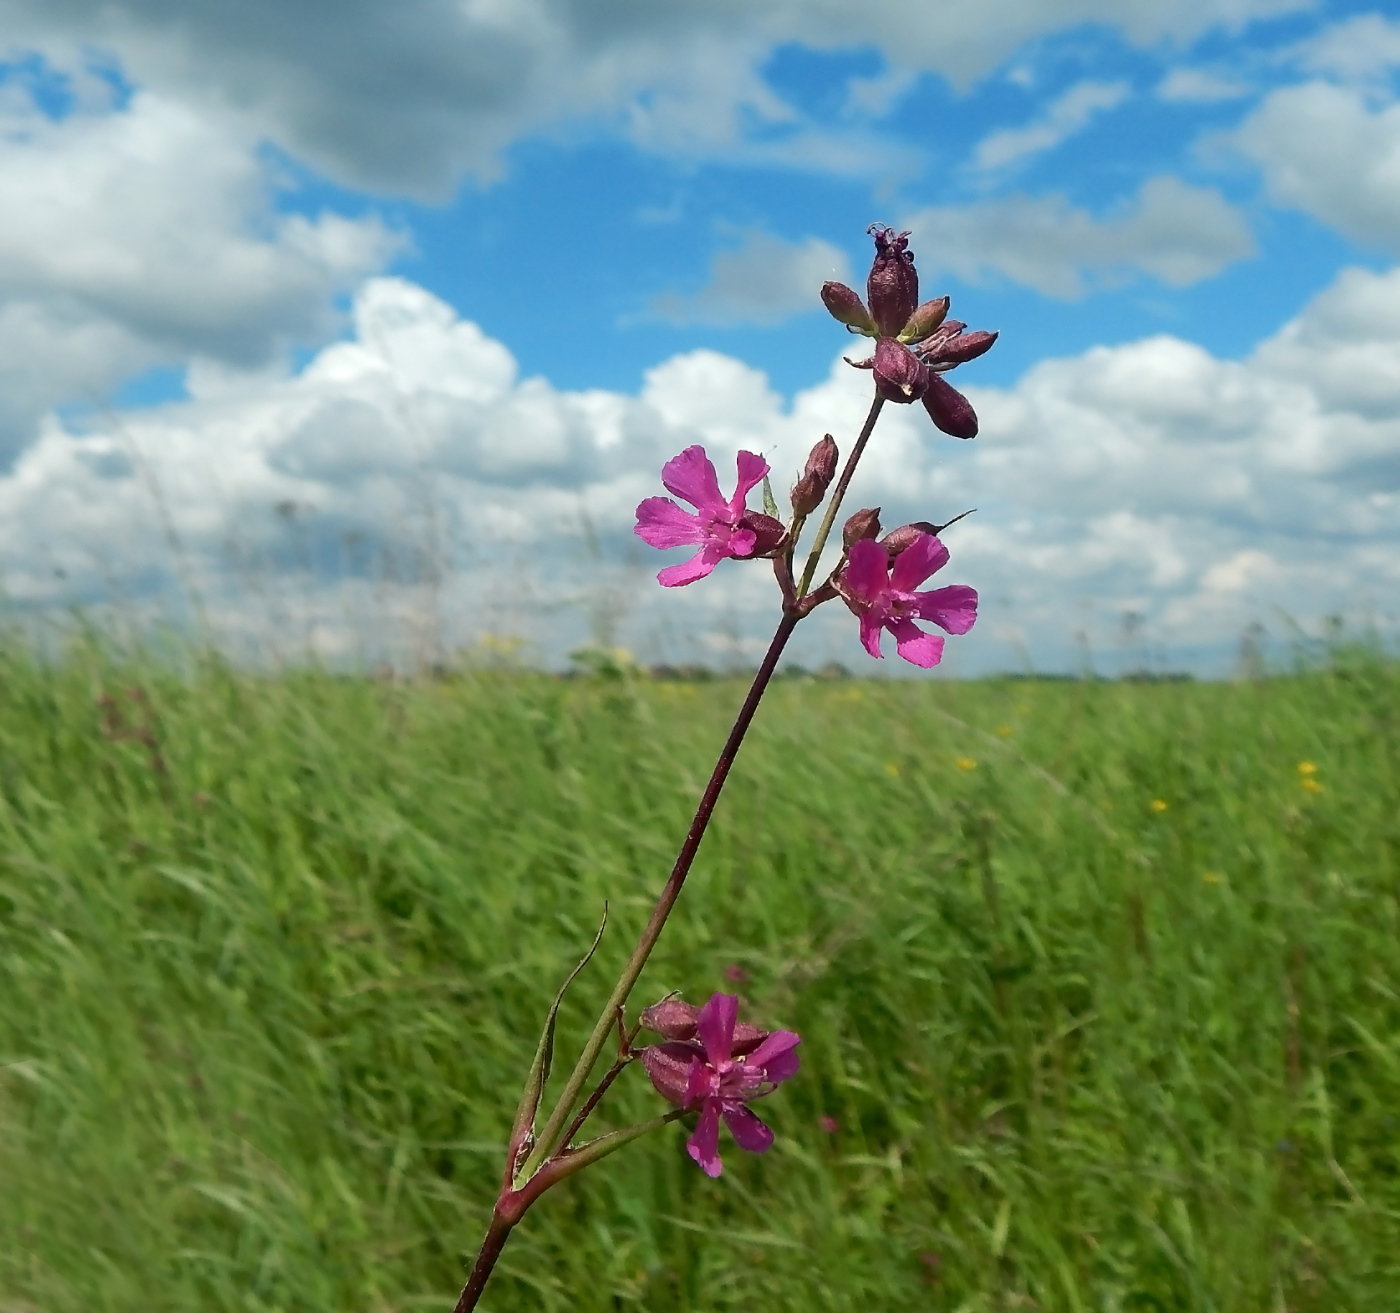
[708, 1065]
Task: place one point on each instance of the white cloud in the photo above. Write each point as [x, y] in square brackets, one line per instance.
[411, 96]
[1360, 49]
[763, 281]
[1171, 230]
[1328, 151]
[138, 236]
[1150, 477]
[1067, 114]
[1200, 86]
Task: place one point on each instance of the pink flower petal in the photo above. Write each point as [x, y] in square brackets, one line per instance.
[742, 542]
[699, 565]
[916, 562]
[748, 1131]
[662, 523]
[914, 645]
[870, 631]
[953, 608]
[777, 1044]
[867, 574]
[703, 1145]
[691, 477]
[716, 1026]
[752, 468]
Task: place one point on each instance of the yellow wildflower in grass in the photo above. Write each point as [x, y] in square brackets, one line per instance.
[966, 763]
[1310, 784]
[1307, 768]
[1157, 805]
[1002, 731]
[891, 768]
[1210, 877]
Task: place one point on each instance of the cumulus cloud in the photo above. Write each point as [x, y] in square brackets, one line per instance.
[1360, 49]
[410, 97]
[1200, 86]
[763, 281]
[1064, 116]
[1171, 230]
[1329, 151]
[1150, 478]
[141, 235]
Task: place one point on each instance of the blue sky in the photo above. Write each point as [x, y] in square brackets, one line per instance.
[452, 281]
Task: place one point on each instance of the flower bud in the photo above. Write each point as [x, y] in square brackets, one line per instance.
[893, 287]
[925, 319]
[900, 375]
[863, 524]
[847, 307]
[675, 1019]
[949, 409]
[808, 491]
[897, 540]
[768, 533]
[672, 1017]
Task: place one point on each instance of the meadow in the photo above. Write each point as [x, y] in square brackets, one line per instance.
[1099, 985]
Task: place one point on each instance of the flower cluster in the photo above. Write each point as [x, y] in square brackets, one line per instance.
[915, 345]
[713, 1063]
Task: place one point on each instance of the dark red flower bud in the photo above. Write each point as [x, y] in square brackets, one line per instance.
[808, 491]
[897, 540]
[949, 409]
[964, 347]
[899, 374]
[675, 1019]
[863, 524]
[847, 307]
[769, 532]
[925, 319]
[893, 288]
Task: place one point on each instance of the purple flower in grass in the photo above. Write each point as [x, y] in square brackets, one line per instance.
[721, 528]
[712, 1063]
[880, 592]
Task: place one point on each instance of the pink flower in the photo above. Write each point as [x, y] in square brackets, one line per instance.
[722, 528]
[882, 595]
[717, 1066]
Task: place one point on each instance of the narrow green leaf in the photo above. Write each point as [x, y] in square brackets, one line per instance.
[770, 506]
[523, 1128]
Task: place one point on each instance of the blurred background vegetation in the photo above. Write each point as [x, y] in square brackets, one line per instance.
[1099, 985]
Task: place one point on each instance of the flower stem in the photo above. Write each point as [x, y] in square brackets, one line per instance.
[834, 504]
[550, 1137]
[496, 1237]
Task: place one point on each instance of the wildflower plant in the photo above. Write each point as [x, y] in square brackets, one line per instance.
[706, 1063]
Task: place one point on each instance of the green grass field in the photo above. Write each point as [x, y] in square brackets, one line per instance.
[1100, 981]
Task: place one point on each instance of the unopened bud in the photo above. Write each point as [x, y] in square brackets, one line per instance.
[925, 319]
[863, 524]
[672, 1018]
[847, 307]
[897, 540]
[808, 491]
[769, 534]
